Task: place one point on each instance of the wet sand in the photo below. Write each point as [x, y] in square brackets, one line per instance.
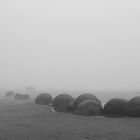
[26, 121]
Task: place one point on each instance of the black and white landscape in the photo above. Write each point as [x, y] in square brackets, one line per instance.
[69, 70]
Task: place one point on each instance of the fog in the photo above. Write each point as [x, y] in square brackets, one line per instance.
[75, 44]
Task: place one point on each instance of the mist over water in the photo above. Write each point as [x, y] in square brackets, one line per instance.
[70, 45]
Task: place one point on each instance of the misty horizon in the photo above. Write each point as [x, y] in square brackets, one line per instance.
[70, 44]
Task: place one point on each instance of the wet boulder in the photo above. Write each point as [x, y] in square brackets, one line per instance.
[60, 102]
[44, 99]
[21, 96]
[10, 94]
[70, 106]
[132, 108]
[89, 108]
[84, 97]
[115, 106]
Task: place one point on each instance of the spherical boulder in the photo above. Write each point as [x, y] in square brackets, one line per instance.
[89, 108]
[10, 94]
[115, 106]
[84, 97]
[70, 106]
[132, 107]
[60, 102]
[44, 99]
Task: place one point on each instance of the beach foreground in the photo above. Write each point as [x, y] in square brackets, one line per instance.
[23, 120]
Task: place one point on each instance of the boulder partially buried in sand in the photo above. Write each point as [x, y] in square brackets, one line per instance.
[21, 96]
[44, 99]
[89, 108]
[115, 106]
[60, 102]
[132, 108]
[84, 97]
[10, 94]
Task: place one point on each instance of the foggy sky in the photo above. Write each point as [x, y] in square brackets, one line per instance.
[69, 44]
